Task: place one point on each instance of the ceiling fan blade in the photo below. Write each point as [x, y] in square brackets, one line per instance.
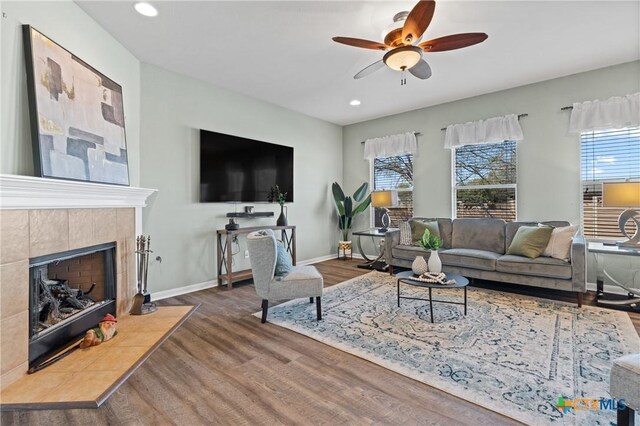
[370, 69]
[358, 42]
[421, 70]
[417, 21]
[452, 42]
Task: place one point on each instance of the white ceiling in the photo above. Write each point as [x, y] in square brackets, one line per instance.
[282, 52]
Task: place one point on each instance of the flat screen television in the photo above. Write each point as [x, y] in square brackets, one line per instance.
[235, 169]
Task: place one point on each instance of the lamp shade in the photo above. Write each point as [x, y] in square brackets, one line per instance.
[621, 194]
[386, 198]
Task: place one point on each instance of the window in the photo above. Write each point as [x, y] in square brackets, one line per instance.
[485, 181]
[606, 155]
[394, 173]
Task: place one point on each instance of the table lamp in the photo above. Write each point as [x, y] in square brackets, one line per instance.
[624, 194]
[384, 199]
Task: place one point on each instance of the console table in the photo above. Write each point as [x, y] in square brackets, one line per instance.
[226, 275]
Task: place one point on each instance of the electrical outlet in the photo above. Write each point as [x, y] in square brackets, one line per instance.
[246, 254]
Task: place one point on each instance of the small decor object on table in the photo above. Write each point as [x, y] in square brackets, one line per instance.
[433, 243]
[280, 197]
[142, 304]
[105, 331]
[419, 266]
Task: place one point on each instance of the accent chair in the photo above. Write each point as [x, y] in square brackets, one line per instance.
[301, 281]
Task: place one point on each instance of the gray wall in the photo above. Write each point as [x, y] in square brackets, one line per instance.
[174, 108]
[68, 25]
[548, 157]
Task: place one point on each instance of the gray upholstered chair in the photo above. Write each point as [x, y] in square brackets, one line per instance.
[625, 385]
[302, 281]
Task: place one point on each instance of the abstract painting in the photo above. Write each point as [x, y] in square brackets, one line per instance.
[77, 116]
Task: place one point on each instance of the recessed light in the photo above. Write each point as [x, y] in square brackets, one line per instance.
[354, 102]
[146, 9]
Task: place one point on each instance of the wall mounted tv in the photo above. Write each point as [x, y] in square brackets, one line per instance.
[235, 169]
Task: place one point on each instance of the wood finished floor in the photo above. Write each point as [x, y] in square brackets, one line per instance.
[224, 367]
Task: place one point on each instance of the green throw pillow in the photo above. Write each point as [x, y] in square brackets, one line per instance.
[418, 227]
[283, 260]
[530, 241]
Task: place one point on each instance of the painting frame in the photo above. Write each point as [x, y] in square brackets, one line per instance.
[76, 115]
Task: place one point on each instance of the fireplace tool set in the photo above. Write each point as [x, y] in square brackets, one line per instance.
[142, 304]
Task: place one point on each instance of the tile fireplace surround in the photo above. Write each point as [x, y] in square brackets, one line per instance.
[44, 216]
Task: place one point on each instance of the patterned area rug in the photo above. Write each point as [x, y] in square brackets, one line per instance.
[512, 354]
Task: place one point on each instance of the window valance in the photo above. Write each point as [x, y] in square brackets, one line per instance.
[492, 130]
[390, 146]
[613, 113]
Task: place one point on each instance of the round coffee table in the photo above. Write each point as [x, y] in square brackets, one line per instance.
[406, 277]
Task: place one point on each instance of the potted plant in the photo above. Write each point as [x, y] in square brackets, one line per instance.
[347, 210]
[433, 243]
[280, 198]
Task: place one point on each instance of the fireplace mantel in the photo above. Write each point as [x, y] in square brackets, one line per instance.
[28, 192]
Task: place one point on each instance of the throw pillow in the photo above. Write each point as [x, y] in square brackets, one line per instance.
[559, 246]
[418, 227]
[530, 241]
[283, 260]
[405, 234]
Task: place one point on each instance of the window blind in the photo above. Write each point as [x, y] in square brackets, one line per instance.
[607, 155]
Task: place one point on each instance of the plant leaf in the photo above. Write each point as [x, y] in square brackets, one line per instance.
[338, 194]
[348, 207]
[362, 206]
[360, 192]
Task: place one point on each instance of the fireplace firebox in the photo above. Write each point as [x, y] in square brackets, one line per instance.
[70, 292]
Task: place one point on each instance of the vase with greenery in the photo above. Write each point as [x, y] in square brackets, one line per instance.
[348, 207]
[432, 242]
[280, 198]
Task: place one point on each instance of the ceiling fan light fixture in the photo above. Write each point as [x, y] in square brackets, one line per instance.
[402, 58]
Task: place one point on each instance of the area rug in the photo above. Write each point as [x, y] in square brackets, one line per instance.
[516, 355]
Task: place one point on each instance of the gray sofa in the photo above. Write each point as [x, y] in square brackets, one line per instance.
[475, 248]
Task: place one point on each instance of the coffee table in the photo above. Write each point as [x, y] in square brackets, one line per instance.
[406, 277]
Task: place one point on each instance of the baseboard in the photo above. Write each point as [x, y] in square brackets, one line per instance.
[178, 291]
[327, 257]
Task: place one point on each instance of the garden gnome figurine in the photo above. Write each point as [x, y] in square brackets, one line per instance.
[105, 330]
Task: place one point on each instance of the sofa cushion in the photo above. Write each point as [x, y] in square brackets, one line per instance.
[530, 241]
[479, 234]
[405, 234]
[540, 266]
[512, 227]
[470, 258]
[559, 246]
[418, 228]
[407, 252]
[444, 226]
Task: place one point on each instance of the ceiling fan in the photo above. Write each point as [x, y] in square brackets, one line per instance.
[400, 38]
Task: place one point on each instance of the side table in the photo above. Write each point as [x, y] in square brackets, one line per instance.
[378, 262]
[633, 294]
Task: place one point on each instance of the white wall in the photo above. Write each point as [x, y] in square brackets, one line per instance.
[182, 229]
[68, 25]
[548, 158]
